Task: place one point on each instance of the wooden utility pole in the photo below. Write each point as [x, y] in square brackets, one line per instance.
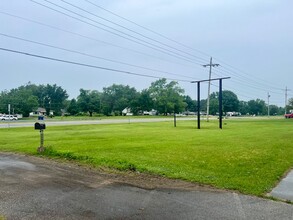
[209, 85]
[269, 104]
[286, 98]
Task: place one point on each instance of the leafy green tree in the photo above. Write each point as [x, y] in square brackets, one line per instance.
[243, 108]
[167, 97]
[257, 107]
[274, 110]
[26, 103]
[190, 104]
[89, 101]
[281, 111]
[52, 97]
[4, 101]
[73, 107]
[115, 98]
[203, 105]
[290, 104]
[21, 100]
[214, 106]
[230, 101]
[144, 101]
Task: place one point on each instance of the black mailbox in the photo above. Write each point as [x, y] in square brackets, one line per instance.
[40, 126]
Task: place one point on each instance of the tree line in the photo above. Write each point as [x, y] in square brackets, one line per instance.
[163, 96]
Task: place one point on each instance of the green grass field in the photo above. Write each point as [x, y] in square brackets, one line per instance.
[247, 155]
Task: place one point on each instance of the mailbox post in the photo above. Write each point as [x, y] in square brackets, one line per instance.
[41, 126]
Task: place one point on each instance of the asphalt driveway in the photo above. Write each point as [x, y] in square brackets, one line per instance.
[36, 188]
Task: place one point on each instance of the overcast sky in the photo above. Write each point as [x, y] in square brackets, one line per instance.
[252, 41]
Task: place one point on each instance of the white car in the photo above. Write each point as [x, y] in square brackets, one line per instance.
[8, 117]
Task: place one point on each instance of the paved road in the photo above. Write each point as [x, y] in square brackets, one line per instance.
[14, 124]
[52, 122]
[35, 188]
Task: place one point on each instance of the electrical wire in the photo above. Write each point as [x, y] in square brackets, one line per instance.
[94, 39]
[229, 69]
[247, 82]
[92, 56]
[87, 65]
[134, 40]
[135, 32]
[246, 91]
[147, 29]
[106, 25]
[261, 80]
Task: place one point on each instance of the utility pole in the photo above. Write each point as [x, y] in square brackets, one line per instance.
[8, 115]
[209, 85]
[269, 104]
[286, 99]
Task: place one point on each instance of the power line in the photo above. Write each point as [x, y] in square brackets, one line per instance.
[128, 29]
[135, 39]
[86, 65]
[224, 68]
[237, 90]
[92, 38]
[232, 69]
[238, 93]
[227, 69]
[93, 56]
[244, 94]
[250, 84]
[229, 66]
[147, 29]
[235, 74]
[245, 79]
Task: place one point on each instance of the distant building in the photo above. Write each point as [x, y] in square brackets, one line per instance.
[127, 112]
[233, 113]
[39, 111]
[152, 112]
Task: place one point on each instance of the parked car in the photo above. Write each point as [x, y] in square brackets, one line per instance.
[8, 117]
[289, 115]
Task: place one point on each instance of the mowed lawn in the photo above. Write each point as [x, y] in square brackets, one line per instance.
[247, 155]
